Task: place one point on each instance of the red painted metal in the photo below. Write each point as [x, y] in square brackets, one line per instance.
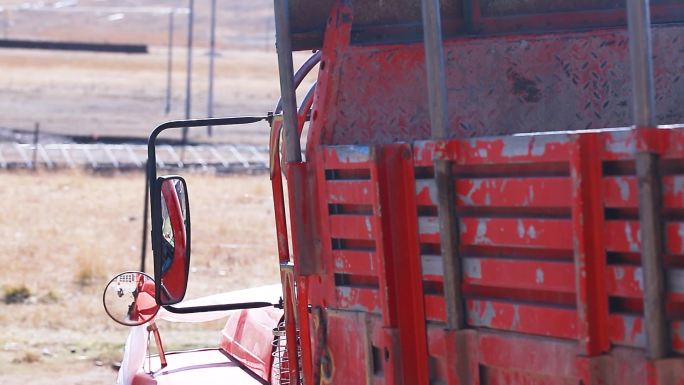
[590, 263]
[549, 236]
[248, 336]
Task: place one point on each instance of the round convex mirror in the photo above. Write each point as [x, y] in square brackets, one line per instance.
[129, 298]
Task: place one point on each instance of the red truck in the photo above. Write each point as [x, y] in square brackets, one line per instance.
[492, 193]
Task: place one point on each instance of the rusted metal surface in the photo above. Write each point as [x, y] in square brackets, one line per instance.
[650, 221]
[528, 83]
[450, 247]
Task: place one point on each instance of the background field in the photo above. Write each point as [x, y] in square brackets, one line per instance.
[65, 234]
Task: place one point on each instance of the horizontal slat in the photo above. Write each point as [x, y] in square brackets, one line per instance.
[534, 233]
[543, 356]
[675, 283]
[360, 192]
[523, 318]
[620, 191]
[626, 330]
[432, 266]
[355, 298]
[678, 336]
[627, 281]
[675, 237]
[511, 149]
[619, 145]
[514, 192]
[519, 274]
[435, 309]
[354, 262]
[352, 226]
[423, 152]
[673, 191]
[426, 192]
[437, 340]
[622, 236]
[624, 281]
[428, 229]
[346, 157]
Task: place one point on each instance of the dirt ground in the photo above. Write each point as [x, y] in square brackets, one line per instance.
[65, 236]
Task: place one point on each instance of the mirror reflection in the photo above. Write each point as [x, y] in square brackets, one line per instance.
[174, 250]
[129, 298]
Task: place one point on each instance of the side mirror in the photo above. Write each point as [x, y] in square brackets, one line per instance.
[129, 298]
[170, 238]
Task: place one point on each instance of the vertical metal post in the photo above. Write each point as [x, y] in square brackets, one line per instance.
[212, 54]
[36, 134]
[287, 90]
[188, 80]
[169, 63]
[652, 250]
[434, 63]
[649, 183]
[641, 58]
[146, 209]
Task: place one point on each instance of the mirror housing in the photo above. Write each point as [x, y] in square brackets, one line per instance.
[170, 211]
[129, 298]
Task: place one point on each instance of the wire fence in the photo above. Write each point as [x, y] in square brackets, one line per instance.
[98, 157]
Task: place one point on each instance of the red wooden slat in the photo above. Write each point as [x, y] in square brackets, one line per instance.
[674, 143]
[352, 226]
[517, 274]
[553, 358]
[435, 310]
[355, 298]
[622, 236]
[523, 318]
[360, 192]
[675, 237]
[619, 145]
[507, 150]
[423, 152]
[426, 192]
[620, 191]
[428, 229]
[535, 233]
[626, 330]
[354, 262]
[673, 191]
[624, 281]
[432, 267]
[346, 157]
[678, 336]
[514, 192]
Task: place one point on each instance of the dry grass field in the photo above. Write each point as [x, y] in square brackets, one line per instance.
[66, 234]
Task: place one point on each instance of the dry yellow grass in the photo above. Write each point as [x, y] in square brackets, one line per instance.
[65, 234]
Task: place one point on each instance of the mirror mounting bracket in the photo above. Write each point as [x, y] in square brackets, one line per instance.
[221, 307]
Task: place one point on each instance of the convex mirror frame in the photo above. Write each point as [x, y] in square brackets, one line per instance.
[170, 211]
[129, 298]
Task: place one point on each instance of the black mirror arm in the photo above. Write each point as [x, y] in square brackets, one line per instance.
[151, 153]
[222, 307]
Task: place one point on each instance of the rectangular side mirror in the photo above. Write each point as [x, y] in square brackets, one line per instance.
[170, 238]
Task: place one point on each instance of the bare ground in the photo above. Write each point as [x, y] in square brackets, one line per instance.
[66, 234]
